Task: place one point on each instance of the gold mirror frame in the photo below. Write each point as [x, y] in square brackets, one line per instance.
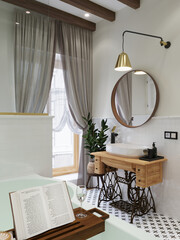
[118, 118]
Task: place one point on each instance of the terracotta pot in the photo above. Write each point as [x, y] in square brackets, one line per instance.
[91, 167]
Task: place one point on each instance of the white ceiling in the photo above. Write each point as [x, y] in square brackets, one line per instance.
[113, 5]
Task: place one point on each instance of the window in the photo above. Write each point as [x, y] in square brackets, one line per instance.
[65, 142]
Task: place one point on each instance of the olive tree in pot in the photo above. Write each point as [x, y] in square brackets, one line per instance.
[94, 139]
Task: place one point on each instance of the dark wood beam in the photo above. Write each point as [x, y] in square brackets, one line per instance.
[93, 8]
[53, 13]
[131, 3]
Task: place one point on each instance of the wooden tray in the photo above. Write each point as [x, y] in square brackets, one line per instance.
[80, 229]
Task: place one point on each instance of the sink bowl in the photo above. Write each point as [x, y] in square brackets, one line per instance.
[126, 149]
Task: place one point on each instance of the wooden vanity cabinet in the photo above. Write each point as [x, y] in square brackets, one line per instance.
[147, 173]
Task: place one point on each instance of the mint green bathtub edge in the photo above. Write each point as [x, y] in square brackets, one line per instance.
[115, 228]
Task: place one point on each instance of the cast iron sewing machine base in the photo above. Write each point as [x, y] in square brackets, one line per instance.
[139, 200]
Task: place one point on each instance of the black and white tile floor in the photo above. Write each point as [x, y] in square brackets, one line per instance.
[161, 226]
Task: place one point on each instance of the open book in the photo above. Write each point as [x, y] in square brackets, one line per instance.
[38, 209]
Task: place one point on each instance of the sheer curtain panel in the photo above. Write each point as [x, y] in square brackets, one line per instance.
[76, 49]
[34, 61]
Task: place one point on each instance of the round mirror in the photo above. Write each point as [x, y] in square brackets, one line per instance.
[135, 98]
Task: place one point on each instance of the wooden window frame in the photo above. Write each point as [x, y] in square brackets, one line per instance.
[70, 169]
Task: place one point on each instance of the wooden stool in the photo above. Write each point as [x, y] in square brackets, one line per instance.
[95, 175]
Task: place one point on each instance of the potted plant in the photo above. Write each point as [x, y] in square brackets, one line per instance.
[94, 139]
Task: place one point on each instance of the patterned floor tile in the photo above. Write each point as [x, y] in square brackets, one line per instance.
[161, 226]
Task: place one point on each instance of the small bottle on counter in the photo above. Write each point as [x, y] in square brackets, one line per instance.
[154, 150]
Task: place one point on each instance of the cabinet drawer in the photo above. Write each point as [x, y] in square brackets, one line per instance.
[99, 166]
[140, 181]
[140, 170]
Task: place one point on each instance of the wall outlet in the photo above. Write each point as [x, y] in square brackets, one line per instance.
[171, 135]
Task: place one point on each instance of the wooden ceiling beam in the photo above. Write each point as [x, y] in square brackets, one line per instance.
[92, 8]
[53, 13]
[131, 3]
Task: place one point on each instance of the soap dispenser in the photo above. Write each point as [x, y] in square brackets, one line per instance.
[154, 150]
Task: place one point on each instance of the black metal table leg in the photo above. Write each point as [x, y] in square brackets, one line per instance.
[88, 182]
[110, 187]
[140, 200]
[97, 182]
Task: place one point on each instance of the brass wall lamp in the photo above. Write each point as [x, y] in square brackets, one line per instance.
[123, 63]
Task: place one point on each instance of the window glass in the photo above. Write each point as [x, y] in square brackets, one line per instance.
[63, 137]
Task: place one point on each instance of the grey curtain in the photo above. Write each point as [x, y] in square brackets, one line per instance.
[123, 99]
[76, 49]
[34, 61]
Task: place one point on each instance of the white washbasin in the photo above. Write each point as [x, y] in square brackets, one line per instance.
[126, 149]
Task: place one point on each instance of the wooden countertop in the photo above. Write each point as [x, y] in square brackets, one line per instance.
[105, 154]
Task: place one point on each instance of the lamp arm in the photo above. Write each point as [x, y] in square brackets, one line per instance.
[165, 44]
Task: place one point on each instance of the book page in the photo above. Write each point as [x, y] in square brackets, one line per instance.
[34, 211]
[17, 215]
[59, 204]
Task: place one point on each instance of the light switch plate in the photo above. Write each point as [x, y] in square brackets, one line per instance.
[171, 135]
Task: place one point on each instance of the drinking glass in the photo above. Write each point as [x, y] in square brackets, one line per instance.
[81, 193]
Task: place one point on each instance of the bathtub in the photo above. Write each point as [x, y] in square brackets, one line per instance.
[115, 229]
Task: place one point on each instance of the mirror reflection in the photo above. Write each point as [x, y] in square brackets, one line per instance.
[134, 98]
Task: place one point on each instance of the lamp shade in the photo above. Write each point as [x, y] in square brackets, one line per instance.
[123, 63]
[139, 72]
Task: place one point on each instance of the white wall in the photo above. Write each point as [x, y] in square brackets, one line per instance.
[7, 96]
[25, 141]
[158, 17]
